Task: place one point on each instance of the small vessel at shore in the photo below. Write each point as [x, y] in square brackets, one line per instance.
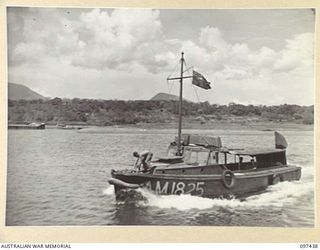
[202, 166]
[33, 125]
[68, 127]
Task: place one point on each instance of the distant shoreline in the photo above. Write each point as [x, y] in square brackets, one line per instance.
[221, 125]
[260, 126]
[196, 125]
[160, 114]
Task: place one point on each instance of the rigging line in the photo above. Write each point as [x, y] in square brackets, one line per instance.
[174, 69]
[185, 64]
[195, 90]
[188, 69]
[168, 84]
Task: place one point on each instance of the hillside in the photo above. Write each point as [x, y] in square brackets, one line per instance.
[164, 97]
[21, 92]
[116, 112]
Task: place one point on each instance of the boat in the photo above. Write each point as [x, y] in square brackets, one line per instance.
[32, 125]
[202, 166]
[68, 127]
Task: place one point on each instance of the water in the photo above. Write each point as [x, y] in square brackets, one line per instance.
[59, 177]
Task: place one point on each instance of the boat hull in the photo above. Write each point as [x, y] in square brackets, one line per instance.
[212, 186]
[23, 126]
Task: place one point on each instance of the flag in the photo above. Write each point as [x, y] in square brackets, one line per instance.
[200, 81]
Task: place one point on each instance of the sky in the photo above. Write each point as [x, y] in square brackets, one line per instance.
[257, 56]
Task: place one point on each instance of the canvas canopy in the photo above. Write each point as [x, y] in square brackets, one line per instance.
[257, 152]
[207, 141]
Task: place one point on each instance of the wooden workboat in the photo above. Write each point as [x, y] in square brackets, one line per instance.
[202, 166]
[209, 171]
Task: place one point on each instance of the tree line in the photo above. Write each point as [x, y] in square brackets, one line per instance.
[113, 112]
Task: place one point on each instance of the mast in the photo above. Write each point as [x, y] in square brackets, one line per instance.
[180, 105]
[198, 80]
[181, 77]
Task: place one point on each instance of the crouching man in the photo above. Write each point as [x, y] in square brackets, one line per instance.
[143, 161]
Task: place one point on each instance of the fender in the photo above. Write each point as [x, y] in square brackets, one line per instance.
[122, 184]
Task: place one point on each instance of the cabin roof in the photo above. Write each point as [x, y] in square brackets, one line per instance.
[256, 152]
[200, 140]
[196, 148]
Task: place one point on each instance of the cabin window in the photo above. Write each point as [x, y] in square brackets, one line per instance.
[221, 158]
[245, 158]
[212, 158]
[197, 157]
[230, 158]
[245, 162]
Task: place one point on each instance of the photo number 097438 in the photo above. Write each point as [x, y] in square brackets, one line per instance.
[306, 245]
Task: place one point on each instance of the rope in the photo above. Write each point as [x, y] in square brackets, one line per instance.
[188, 69]
[168, 84]
[195, 90]
[174, 69]
[169, 87]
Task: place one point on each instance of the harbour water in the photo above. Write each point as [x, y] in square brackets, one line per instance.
[59, 177]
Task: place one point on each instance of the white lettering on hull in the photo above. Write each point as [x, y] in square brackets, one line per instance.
[163, 190]
[167, 187]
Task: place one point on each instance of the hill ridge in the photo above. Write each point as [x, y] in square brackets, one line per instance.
[18, 91]
[161, 96]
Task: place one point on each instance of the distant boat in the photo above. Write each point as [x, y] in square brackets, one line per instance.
[67, 127]
[202, 166]
[33, 125]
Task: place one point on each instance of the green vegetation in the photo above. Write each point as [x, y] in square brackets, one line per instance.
[115, 112]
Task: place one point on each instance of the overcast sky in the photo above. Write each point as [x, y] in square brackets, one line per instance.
[250, 56]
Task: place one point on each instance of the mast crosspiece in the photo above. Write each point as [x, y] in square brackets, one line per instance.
[178, 78]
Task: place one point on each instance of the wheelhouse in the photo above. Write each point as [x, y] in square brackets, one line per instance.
[200, 160]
